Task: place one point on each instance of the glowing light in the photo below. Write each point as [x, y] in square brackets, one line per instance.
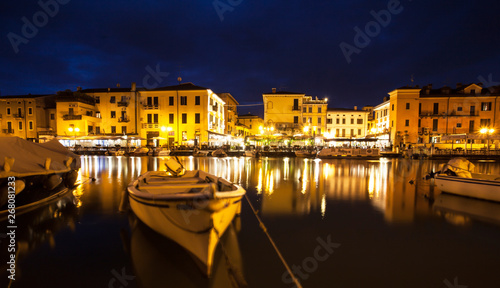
[163, 128]
[491, 131]
[483, 130]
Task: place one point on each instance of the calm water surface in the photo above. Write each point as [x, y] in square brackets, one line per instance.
[382, 230]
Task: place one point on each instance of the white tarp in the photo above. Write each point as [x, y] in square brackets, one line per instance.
[30, 158]
[460, 166]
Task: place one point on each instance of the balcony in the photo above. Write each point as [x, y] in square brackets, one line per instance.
[151, 125]
[151, 107]
[453, 113]
[295, 108]
[123, 103]
[124, 119]
[18, 115]
[8, 131]
[72, 117]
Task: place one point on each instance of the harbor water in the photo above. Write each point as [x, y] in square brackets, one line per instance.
[336, 222]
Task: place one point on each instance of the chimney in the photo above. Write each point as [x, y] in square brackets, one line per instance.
[117, 85]
[274, 90]
[79, 88]
[132, 88]
[355, 107]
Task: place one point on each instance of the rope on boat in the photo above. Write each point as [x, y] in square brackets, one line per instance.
[263, 227]
[237, 279]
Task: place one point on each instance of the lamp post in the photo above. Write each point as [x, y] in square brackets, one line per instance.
[76, 130]
[487, 132]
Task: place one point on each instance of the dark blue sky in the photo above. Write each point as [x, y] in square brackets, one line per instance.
[249, 47]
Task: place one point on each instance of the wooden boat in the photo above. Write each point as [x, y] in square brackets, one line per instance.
[332, 152]
[163, 153]
[306, 153]
[201, 153]
[219, 153]
[36, 170]
[456, 178]
[193, 208]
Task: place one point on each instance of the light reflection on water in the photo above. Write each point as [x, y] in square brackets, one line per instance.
[291, 193]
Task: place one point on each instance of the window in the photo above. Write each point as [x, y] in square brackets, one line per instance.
[196, 100]
[419, 108]
[434, 124]
[304, 120]
[90, 129]
[97, 99]
[436, 108]
[171, 101]
[269, 105]
[419, 122]
[485, 106]
[352, 132]
[20, 125]
[52, 116]
[30, 111]
[197, 117]
[360, 121]
[155, 101]
[310, 120]
[343, 132]
[472, 91]
[359, 131]
[304, 110]
[319, 120]
[184, 118]
[113, 129]
[472, 110]
[407, 106]
[184, 100]
[184, 136]
[295, 119]
[155, 118]
[392, 107]
[150, 118]
[485, 123]
[352, 121]
[112, 99]
[8, 111]
[295, 104]
[459, 108]
[113, 114]
[170, 118]
[459, 125]
[150, 101]
[407, 122]
[338, 121]
[343, 120]
[310, 109]
[30, 125]
[337, 133]
[124, 129]
[19, 111]
[471, 126]
[319, 109]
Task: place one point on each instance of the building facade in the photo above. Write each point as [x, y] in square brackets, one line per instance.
[346, 123]
[253, 123]
[230, 113]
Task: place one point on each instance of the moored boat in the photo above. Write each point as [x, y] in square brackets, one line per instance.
[457, 177]
[333, 152]
[141, 151]
[163, 152]
[201, 153]
[219, 153]
[251, 153]
[182, 206]
[306, 153]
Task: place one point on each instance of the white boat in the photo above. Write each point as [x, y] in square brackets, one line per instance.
[163, 152]
[333, 152]
[306, 153]
[34, 168]
[219, 153]
[456, 178]
[201, 153]
[116, 152]
[181, 207]
[141, 151]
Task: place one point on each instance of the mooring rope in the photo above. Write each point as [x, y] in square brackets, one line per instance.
[263, 227]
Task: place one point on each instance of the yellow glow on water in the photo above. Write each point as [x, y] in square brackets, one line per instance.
[326, 170]
[259, 185]
[270, 183]
[323, 206]
[286, 168]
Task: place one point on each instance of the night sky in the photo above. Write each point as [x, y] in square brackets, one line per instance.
[248, 47]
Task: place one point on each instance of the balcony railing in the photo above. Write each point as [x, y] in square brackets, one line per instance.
[72, 117]
[151, 107]
[124, 119]
[18, 115]
[453, 113]
[295, 108]
[123, 103]
[151, 125]
[8, 131]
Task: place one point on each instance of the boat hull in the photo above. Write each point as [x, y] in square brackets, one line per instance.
[469, 187]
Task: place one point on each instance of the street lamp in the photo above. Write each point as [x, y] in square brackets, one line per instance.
[487, 132]
[76, 130]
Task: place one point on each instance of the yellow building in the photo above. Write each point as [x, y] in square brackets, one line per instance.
[27, 116]
[413, 115]
[230, 113]
[76, 114]
[118, 109]
[294, 113]
[183, 114]
[346, 123]
[253, 123]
